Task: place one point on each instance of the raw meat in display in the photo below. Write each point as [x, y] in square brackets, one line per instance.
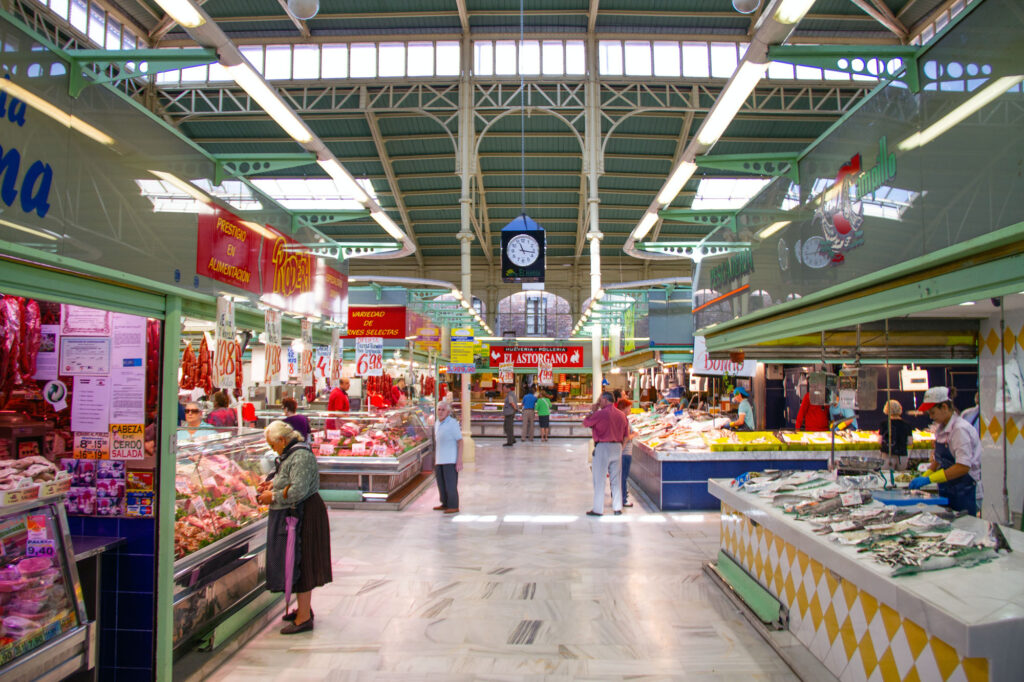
[189, 365]
[18, 473]
[238, 370]
[10, 344]
[31, 337]
[152, 365]
[204, 379]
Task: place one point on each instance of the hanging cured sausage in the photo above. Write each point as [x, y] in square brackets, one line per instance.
[189, 364]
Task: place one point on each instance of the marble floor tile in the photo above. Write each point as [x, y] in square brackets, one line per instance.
[520, 585]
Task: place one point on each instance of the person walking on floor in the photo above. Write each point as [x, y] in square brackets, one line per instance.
[508, 411]
[625, 405]
[543, 408]
[448, 458]
[610, 429]
[529, 413]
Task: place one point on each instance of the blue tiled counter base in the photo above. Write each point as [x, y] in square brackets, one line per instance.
[681, 483]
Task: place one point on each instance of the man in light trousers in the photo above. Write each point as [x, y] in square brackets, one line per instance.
[610, 429]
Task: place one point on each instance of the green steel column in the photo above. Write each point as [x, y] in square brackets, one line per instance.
[165, 494]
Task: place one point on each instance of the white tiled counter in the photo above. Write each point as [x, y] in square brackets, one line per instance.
[953, 624]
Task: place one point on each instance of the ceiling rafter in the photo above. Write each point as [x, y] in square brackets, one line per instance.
[299, 23]
[382, 152]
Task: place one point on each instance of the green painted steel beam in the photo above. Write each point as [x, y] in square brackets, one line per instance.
[244, 165]
[697, 217]
[980, 268]
[130, 63]
[690, 249]
[315, 219]
[343, 250]
[758, 164]
[876, 61]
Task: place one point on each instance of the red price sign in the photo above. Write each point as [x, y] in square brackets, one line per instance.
[272, 370]
[224, 363]
[369, 357]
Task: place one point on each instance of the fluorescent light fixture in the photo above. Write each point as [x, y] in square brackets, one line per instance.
[465, 304]
[29, 230]
[679, 177]
[600, 294]
[729, 102]
[253, 83]
[972, 105]
[456, 293]
[56, 113]
[186, 187]
[347, 185]
[967, 303]
[772, 229]
[388, 224]
[183, 12]
[646, 223]
[792, 11]
[260, 229]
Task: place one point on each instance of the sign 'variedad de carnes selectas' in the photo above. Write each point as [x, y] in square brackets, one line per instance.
[387, 322]
[531, 356]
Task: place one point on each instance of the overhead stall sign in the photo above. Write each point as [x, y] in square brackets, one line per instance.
[461, 351]
[386, 322]
[704, 365]
[228, 251]
[528, 357]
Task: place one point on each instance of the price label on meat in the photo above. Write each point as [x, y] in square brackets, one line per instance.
[306, 356]
[369, 356]
[272, 357]
[127, 441]
[225, 355]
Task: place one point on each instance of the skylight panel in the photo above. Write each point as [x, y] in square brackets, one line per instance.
[726, 193]
[575, 57]
[553, 58]
[505, 58]
[610, 57]
[666, 59]
[723, 59]
[364, 60]
[780, 71]
[447, 53]
[483, 62]
[310, 194]
[695, 60]
[97, 20]
[80, 14]
[529, 58]
[60, 8]
[278, 62]
[391, 58]
[638, 58]
[334, 61]
[113, 34]
[254, 53]
[194, 74]
[306, 62]
[235, 193]
[421, 59]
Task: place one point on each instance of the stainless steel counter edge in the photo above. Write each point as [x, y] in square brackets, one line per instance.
[995, 635]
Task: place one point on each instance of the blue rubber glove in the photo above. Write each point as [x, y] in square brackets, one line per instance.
[919, 482]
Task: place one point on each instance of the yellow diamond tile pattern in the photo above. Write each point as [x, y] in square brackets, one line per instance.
[1012, 430]
[856, 636]
[991, 342]
[1009, 340]
[995, 429]
[1020, 336]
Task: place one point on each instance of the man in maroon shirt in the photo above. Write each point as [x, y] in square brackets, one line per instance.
[610, 429]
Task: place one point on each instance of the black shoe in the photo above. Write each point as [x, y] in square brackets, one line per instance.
[291, 615]
[593, 513]
[627, 504]
[618, 512]
[507, 445]
[293, 629]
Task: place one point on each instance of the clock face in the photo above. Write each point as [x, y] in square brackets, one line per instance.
[523, 250]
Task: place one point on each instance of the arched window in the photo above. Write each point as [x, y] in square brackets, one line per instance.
[534, 313]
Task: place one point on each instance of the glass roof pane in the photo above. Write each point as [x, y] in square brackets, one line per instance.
[638, 58]
[483, 63]
[695, 60]
[279, 62]
[310, 194]
[726, 193]
[505, 58]
[575, 57]
[364, 60]
[553, 58]
[306, 60]
[447, 58]
[334, 61]
[723, 59]
[610, 57]
[392, 59]
[666, 59]
[421, 59]
[529, 58]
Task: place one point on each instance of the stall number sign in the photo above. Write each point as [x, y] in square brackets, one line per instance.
[127, 441]
[369, 356]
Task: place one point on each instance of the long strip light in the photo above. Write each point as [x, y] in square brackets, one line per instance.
[186, 187]
[729, 102]
[347, 185]
[792, 11]
[682, 173]
[772, 229]
[646, 223]
[971, 106]
[54, 112]
[29, 230]
[183, 12]
[253, 83]
[260, 229]
[385, 221]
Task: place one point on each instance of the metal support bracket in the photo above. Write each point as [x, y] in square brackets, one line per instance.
[694, 249]
[317, 219]
[898, 62]
[131, 64]
[244, 165]
[343, 250]
[711, 219]
[760, 164]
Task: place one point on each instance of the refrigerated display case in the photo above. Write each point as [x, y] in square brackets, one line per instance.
[219, 530]
[45, 633]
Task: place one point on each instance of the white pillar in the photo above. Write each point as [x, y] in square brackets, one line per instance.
[467, 145]
[592, 166]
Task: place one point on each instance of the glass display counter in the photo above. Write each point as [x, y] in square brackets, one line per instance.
[43, 627]
[219, 529]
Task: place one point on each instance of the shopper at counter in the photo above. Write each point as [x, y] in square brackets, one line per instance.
[447, 458]
[222, 414]
[744, 411]
[894, 434]
[625, 405]
[610, 429]
[811, 417]
[543, 408]
[956, 462]
[194, 425]
[529, 413]
[972, 415]
[508, 411]
[294, 492]
[292, 418]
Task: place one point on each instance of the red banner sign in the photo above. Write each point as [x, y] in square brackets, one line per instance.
[228, 251]
[387, 322]
[531, 356]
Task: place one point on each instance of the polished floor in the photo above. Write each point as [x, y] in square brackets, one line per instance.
[520, 585]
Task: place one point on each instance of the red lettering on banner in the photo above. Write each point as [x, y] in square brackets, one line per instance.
[227, 250]
[531, 356]
[387, 322]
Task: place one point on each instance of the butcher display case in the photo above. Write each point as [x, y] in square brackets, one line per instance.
[219, 529]
[45, 632]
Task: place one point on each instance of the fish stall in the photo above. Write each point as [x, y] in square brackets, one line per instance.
[876, 581]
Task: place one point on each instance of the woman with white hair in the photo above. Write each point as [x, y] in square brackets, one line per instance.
[894, 433]
[292, 491]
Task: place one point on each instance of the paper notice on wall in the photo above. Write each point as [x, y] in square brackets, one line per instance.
[128, 370]
[48, 358]
[90, 404]
[127, 442]
[78, 321]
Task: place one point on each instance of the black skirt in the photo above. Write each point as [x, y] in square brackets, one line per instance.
[312, 546]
